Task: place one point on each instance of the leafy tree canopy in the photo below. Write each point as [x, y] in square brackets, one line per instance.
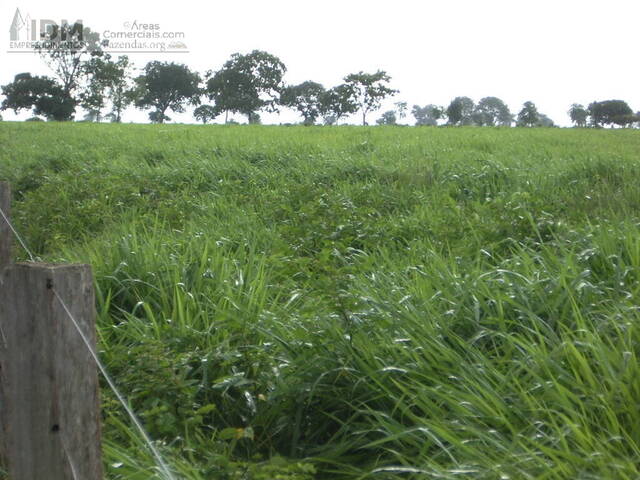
[305, 98]
[205, 113]
[247, 83]
[65, 48]
[336, 103]
[578, 115]
[460, 111]
[610, 112]
[544, 121]
[401, 109]
[42, 94]
[108, 80]
[528, 116]
[166, 86]
[492, 111]
[368, 90]
[388, 118]
[427, 115]
[254, 119]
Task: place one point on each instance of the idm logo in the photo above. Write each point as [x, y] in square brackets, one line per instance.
[27, 29]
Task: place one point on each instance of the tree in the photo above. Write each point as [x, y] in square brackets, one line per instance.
[65, 48]
[492, 111]
[305, 98]
[166, 86]
[368, 90]
[107, 80]
[578, 115]
[119, 86]
[544, 121]
[627, 120]
[401, 108]
[388, 118]
[329, 120]
[254, 119]
[42, 94]
[205, 113]
[427, 115]
[92, 99]
[247, 84]
[224, 89]
[610, 112]
[158, 117]
[528, 116]
[337, 102]
[460, 111]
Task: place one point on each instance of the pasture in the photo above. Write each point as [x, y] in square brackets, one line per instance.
[351, 302]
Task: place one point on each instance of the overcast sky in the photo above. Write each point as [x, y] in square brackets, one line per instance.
[553, 53]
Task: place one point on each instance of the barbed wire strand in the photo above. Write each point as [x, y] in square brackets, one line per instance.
[17, 235]
[161, 463]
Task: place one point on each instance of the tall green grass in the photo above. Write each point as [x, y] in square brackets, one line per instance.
[384, 303]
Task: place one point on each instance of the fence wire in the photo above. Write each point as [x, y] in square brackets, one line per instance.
[17, 235]
[161, 463]
[164, 468]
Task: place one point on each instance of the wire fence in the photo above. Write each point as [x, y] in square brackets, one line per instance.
[160, 461]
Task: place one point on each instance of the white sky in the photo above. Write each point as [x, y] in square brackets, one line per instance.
[554, 53]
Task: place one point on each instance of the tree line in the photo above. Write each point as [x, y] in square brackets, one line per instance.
[85, 76]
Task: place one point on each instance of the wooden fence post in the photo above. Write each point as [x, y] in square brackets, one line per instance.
[5, 261]
[5, 232]
[49, 398]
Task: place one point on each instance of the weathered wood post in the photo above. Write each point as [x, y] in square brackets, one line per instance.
[5, 231]
[49, 399]
[5, 260]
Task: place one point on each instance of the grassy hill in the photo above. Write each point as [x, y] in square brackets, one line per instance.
[383, 303]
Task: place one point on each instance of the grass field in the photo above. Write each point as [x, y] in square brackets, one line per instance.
[383, 303]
